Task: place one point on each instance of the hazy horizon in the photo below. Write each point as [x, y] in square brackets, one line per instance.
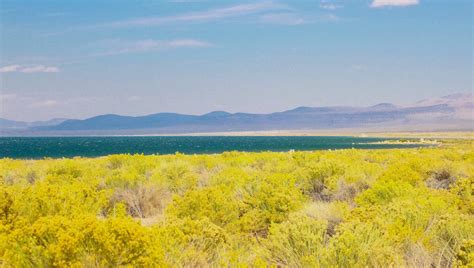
[414, 104]
[81, 59]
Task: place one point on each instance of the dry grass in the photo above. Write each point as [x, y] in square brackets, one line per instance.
[441, 179]
[143, 201]
[330, 212]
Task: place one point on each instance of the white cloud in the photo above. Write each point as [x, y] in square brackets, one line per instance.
[213, 14]
[329, 6]
[35, 68]
[329, 18]
[45, 104]
[40, 69]
[10, 68]
[125, 47]
[283, 18]
[296, 19]
[187, 43]
[400, 3]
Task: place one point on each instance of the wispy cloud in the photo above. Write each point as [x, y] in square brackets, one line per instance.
[294, 18]
[208, 15]
[329, 18]
[140, 46]
[39, 69]
[28, 68]
[45, 104]
[329, 5]
[283, 19]
[400, 3]
[104, 48]
[222, 13]
[9, 68]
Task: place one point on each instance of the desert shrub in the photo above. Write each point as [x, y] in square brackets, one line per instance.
[46, 199]
[230, 176]
[359, 244]
[320, 176]
[177, 175]
[332, 212]
[465, 254]
[383, 192]
[192, 243]
[464, 189]
[65, 168]
[217, 204]
[116, 161]
[448, 239]
[425, 226]
[343, 208]
[241, 251]
[268, 201]
[59, 242]
[298, 242]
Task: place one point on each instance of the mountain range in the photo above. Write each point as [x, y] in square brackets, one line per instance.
[453, 112]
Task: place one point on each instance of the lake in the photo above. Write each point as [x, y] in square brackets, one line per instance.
[56, 147]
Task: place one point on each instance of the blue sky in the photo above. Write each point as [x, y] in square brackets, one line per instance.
[76, 59]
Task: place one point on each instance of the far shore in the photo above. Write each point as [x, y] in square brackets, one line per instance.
[349, 132]
[405, 134]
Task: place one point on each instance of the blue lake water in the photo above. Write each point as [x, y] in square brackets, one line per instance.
[55, 147]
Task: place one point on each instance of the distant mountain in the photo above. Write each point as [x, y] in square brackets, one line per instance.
[10, 124]
[383, 107]
[449, 112]
[5, 124]
[462, 103]
[456, 100]
[52, 122]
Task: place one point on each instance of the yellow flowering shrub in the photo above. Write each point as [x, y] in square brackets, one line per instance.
[342, 208]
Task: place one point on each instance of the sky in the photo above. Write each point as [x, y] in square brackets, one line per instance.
[77, 59]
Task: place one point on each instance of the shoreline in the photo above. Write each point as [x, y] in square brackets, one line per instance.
[281, 133]
[466, 135]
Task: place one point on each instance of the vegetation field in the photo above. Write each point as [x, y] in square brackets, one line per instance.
[344, 208]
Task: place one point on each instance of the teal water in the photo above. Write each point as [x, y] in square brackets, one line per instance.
[55, 147]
